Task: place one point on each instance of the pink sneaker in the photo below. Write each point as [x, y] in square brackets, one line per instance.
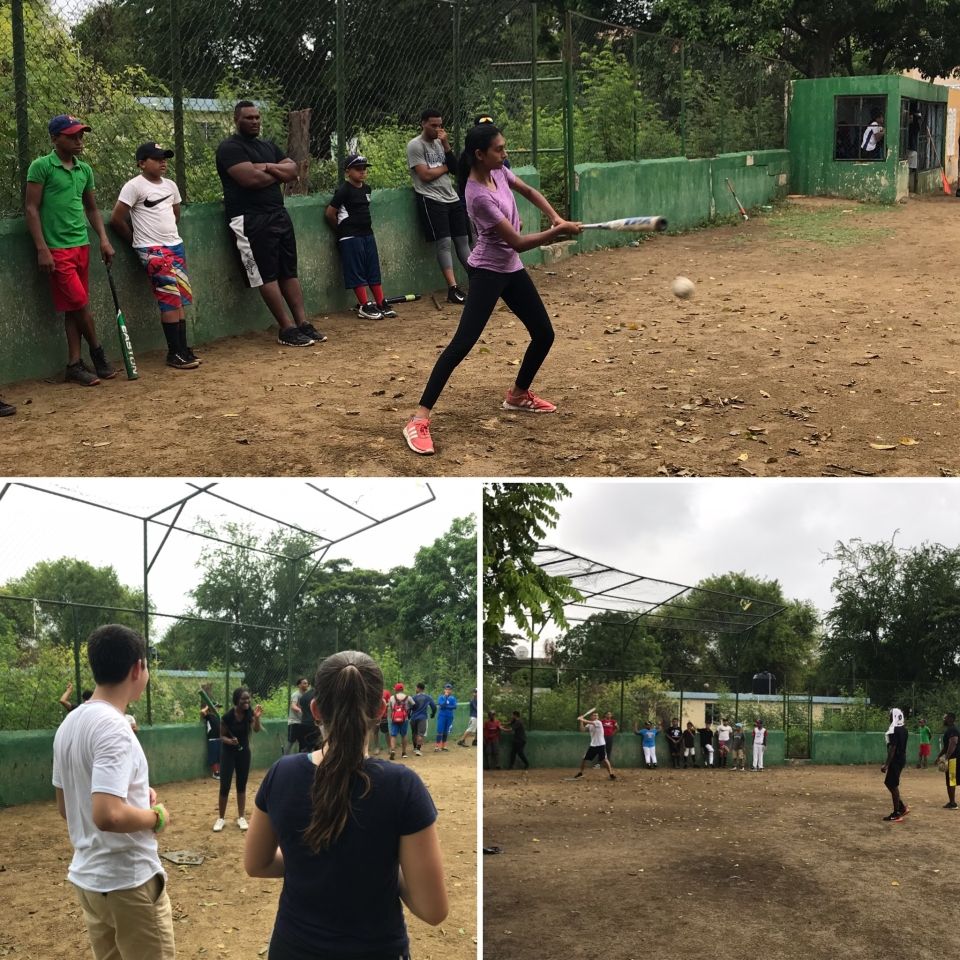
[417, 435]
[529, 402]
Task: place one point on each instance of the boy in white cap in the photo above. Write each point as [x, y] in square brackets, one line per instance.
[894, 764]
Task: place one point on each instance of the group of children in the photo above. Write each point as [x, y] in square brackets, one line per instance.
[402, 713]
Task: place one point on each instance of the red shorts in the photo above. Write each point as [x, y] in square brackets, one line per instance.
[924, 749]
[69, 282]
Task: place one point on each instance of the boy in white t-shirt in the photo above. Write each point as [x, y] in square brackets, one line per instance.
[597, 751]
[147, 215]
[723, 741]
[103, 792]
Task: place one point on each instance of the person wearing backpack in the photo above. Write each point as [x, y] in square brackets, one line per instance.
[398, 710]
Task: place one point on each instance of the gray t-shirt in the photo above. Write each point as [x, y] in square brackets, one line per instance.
[431, 153]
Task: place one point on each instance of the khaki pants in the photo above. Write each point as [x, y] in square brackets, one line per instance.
[130, 924]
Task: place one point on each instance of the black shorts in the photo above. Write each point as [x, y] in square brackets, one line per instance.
[892, 780]
[419, 727]
[267, 246]
[596, 753]
[360, 261]
[440, 220]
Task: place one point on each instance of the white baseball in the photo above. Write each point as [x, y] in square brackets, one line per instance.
[683, 287]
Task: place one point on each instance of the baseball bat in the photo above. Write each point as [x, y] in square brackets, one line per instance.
[406, 298]
[586, 713]
[126, 347]
[743, 213]
[631, 225]
[206, 699]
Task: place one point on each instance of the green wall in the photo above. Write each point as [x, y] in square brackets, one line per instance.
[32, 334]
[174, 752]
[811, 138]
[548, 749]
[689, 193]
[843, 746]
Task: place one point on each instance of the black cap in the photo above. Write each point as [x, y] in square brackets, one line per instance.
[153, 151]
[355, 160]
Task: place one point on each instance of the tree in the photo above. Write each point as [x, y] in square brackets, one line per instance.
[895, 618]
[609, 645]
[516, 517]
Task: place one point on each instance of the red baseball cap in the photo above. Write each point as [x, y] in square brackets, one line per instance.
[397, 687]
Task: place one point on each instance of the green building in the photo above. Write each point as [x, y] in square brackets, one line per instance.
[867, 138]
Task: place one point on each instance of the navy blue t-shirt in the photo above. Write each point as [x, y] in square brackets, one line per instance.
[345, 900]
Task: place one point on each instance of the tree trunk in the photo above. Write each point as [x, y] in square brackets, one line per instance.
[298, 148]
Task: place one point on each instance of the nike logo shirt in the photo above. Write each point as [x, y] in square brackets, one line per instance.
[151, 211]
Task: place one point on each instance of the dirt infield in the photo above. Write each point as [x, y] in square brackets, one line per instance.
[220, 912]
[791, 863]
[823, 339]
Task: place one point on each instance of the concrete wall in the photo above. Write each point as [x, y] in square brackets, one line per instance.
[689, 193]
[842, 746]
[567, 749]
[32, 333]
[174, 752]
[811, 138]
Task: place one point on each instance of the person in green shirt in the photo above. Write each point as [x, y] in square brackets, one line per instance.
[60, 199]
[926, 737]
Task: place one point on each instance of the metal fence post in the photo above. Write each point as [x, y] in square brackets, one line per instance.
[338, 59]
[622, 683]
[683, 125]
[633, 93]
[534, 56]
[20, 99]
[568, 139]
[146, 613]
[176, 88]
[457, 106]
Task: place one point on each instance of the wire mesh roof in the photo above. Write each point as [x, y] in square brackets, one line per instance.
[630, 597]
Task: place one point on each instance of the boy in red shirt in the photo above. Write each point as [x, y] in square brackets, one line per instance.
[491, 742]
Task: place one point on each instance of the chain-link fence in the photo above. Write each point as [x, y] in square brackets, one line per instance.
[331, 76]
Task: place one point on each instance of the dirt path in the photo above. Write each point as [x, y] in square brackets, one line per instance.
[823, 340]
[791, 863]
[220, 913]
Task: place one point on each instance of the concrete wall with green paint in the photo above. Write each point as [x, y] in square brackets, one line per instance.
[688, 193]
[845, 746]
[547, 749]
[174, 752]
[811, 138]
[32, 333]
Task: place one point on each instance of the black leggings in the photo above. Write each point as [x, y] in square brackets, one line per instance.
[232, 759]
[486, 288]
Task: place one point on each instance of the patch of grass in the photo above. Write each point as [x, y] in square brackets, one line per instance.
[835, 226]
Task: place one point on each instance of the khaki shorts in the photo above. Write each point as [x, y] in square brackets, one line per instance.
[131, 924]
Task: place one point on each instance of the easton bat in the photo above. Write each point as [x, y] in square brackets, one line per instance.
[631, 225]
[586, 713]
[206, 699]
[743, 213]
[406, 298]
[126, 347]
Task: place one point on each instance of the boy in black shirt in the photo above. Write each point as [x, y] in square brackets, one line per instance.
[349, 215]
[894, 764]
[517, 748]
[675, 740]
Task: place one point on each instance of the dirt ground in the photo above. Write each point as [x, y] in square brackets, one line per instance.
[823, 340]
[220, 913]
[790, 863]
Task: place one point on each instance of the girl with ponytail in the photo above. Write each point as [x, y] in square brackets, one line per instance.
[495, 271]
[351, 836]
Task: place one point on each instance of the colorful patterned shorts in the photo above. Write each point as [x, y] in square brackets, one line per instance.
[167, 269]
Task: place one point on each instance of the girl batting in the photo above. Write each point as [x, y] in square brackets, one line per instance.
[334, 822]
[495, 272]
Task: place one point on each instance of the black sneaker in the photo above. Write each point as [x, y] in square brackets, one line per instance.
[309, 330]
[613, 776]
[950, 806]
[894, 817]
[78, 373]
[7, 409]
[369, 311]
[292, 337]
[456, 295]
[105, 369]
[386, 311]
[179, 362]
[580, 774]
[188, 354]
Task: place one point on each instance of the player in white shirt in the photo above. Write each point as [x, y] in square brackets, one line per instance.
[724, 732]
[147, 216]
[597, 751]
[103, 792]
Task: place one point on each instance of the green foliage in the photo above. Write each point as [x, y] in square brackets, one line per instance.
[607, 645]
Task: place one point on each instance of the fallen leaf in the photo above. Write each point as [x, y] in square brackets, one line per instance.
[743, 456]
[884, 446]
[908, 441]
[763, 393]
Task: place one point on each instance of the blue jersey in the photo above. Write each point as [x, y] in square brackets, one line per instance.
[419, 704]
[648, 737]
[447, 703]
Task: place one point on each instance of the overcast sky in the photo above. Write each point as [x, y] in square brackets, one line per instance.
[36, 526]
[683, 531]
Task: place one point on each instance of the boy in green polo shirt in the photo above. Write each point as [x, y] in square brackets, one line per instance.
[60, 200]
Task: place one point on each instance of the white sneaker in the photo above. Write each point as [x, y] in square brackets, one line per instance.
[219, 825]
[242, 823]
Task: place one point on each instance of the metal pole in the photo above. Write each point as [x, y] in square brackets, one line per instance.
[176, 88]
[568, 126]
[76, 653]
[20, 100]
[146, 615]
[683, 101]
[579, 700]
[621, 695]
[457, 107]
[530, 705]
[633, 94]
[226, 664]
[534, 56]
[340, 81]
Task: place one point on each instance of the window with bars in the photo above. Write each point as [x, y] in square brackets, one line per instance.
[860, 128]
[921, 133]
